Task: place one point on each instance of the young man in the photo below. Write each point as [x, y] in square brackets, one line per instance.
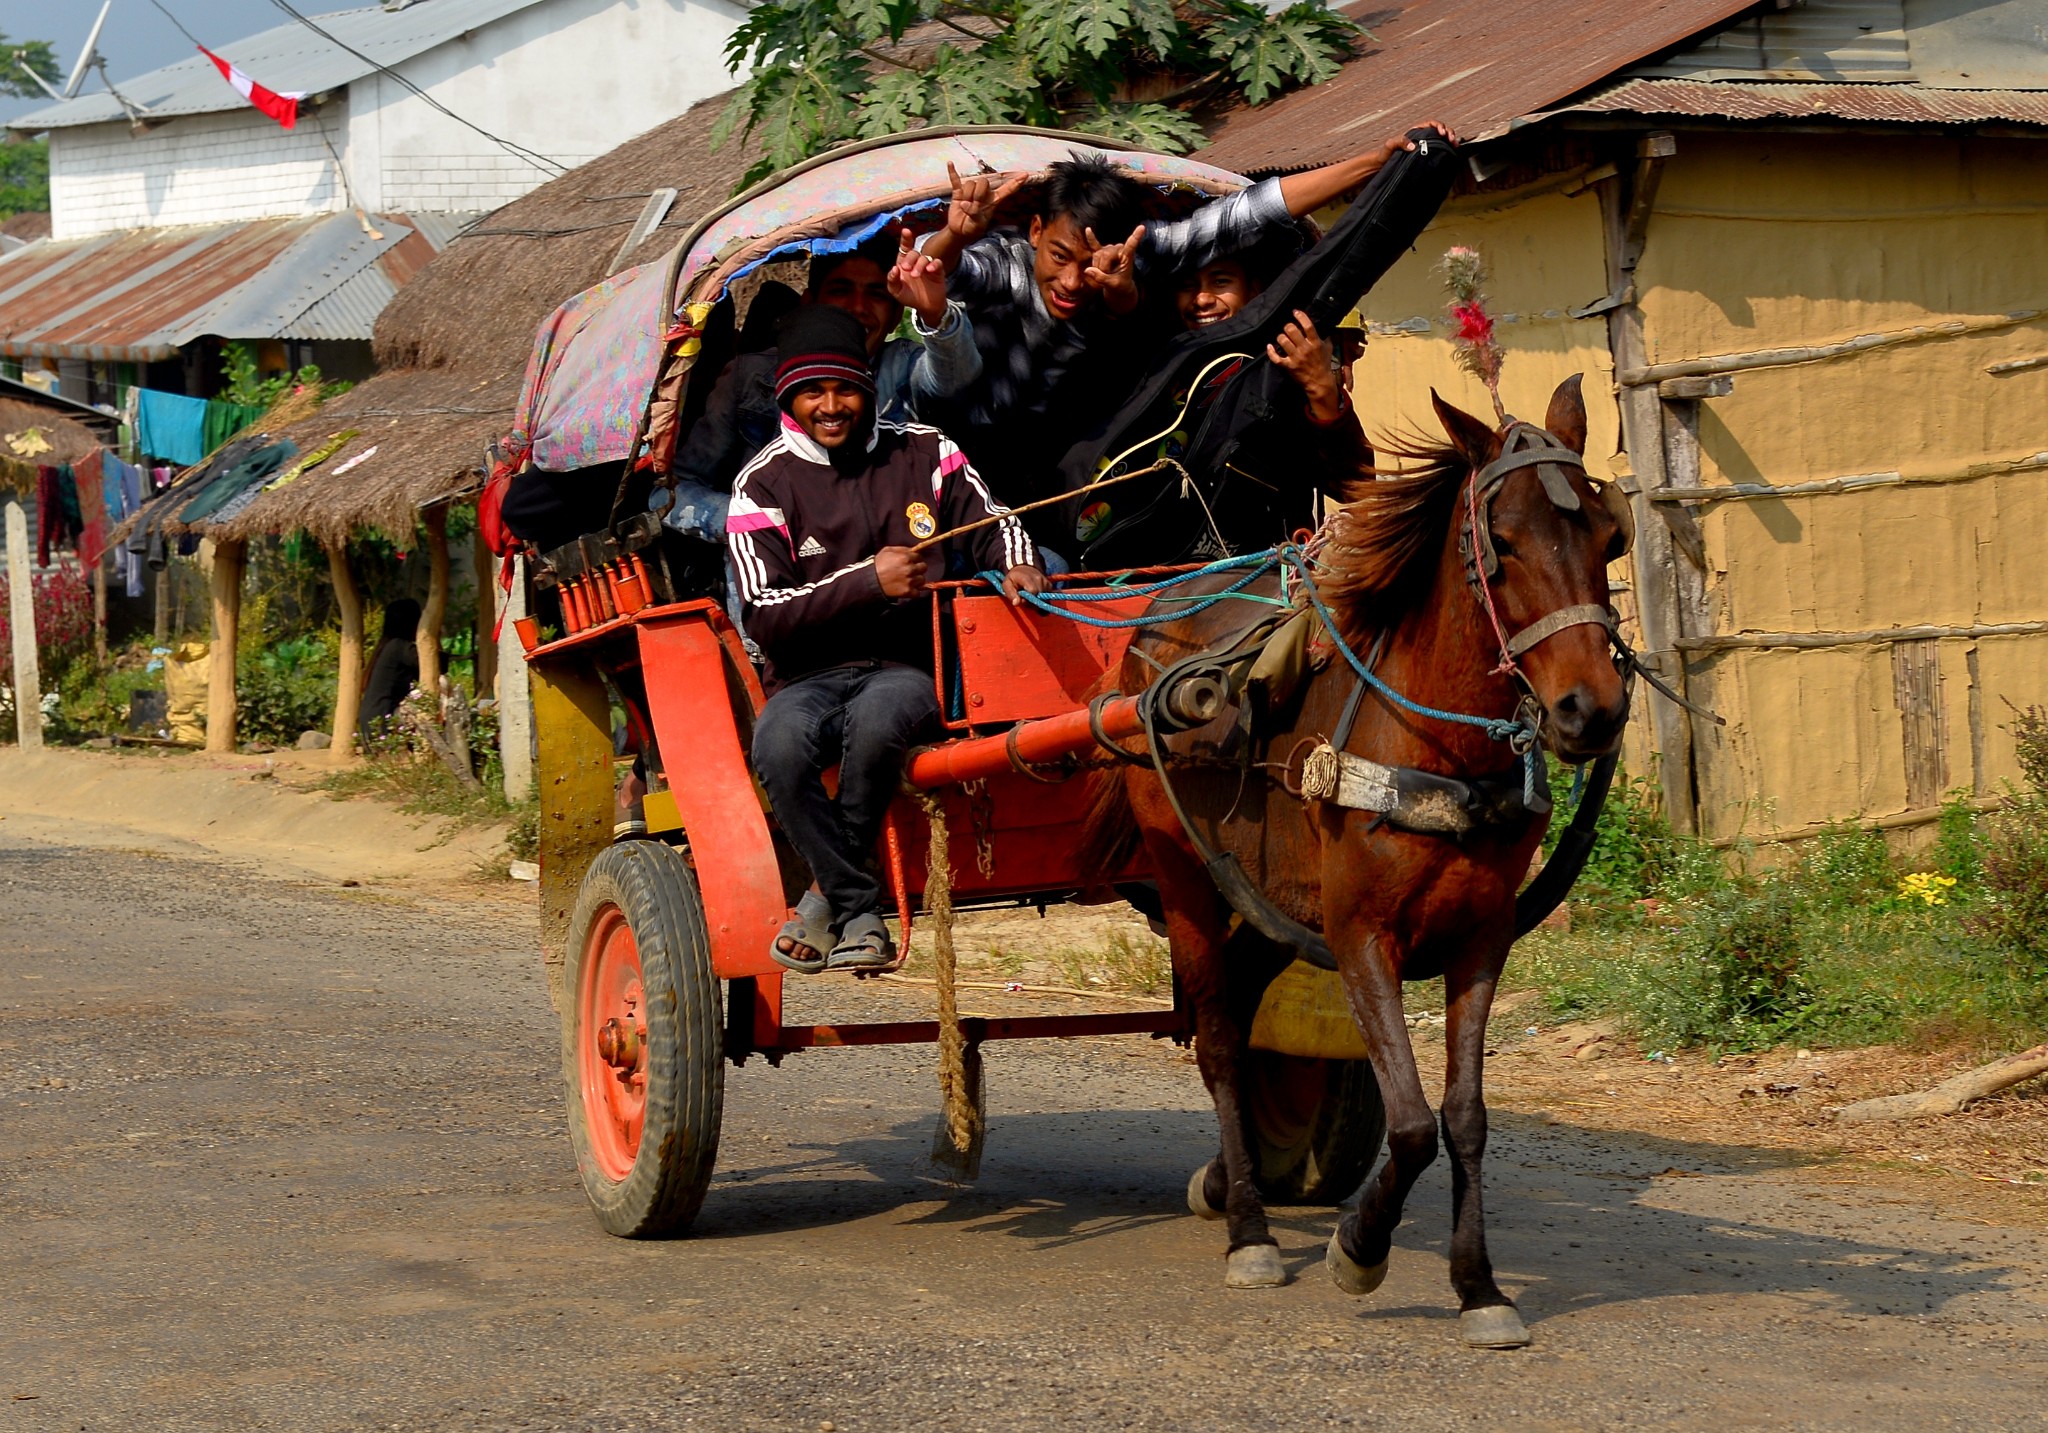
[875, 285]
[1039, 299]
[822, 525]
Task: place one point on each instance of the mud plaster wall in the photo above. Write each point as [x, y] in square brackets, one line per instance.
[1760, 241]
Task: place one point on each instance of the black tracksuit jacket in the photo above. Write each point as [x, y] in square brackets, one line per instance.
[804, 532]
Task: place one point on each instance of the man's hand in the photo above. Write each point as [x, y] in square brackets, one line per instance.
[1307, 357]
[1021, 579]
[1305, 193]
[975, 202]
[1401, 142]
[918, 283]
[901, 572]
[1114, 270]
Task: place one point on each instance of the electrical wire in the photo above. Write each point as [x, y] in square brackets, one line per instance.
[517, 151]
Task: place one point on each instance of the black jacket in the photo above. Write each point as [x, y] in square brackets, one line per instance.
[804, 533]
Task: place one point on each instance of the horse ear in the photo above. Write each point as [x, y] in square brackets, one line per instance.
[1566, 419]
[1474, 440]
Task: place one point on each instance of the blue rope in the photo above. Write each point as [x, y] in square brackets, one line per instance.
[1147, 619]
[1496, 727]
[1289, 556]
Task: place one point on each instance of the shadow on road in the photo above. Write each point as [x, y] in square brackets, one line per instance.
[1572, 1218]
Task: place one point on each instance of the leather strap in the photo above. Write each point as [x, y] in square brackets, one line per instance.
[1587, 614]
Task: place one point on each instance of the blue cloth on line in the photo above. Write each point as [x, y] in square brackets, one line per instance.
[170, 425]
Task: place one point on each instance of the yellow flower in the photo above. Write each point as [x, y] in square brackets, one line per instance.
[1927, 888]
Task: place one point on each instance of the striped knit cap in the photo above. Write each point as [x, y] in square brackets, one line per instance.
[817, 342]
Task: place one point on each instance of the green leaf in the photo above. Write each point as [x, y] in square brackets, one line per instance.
[898, 101]
[1058, 30]
[1157, 127]
[1157, 25]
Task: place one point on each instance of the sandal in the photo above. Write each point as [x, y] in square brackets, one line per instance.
[864, 944]
[809, 929]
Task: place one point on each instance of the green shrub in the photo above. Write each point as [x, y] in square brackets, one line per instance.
[2012, 849]
[286, 688]
[1734, 976]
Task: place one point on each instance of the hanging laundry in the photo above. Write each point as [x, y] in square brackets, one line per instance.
[57, 517]
[124, 485]
[170, 425]
[224, 420]
[87, 492]
[242, 468]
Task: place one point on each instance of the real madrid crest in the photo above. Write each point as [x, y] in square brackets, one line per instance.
[922, 523]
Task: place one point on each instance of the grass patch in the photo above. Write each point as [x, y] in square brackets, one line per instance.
[1840, 945]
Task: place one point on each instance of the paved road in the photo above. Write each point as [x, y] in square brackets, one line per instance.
[287, 1157]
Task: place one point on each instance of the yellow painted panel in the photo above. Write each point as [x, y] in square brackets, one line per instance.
[1304, 1012]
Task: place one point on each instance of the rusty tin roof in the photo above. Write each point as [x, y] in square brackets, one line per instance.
[1478, 65]
[139, 295]
[1857, 103]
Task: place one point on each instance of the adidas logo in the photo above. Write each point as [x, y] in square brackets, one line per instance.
[811, 548]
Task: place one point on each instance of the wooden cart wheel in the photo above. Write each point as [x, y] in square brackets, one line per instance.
[642, 1041]
[1316, 1125]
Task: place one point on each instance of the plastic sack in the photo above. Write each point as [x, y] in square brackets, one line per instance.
[185, 689]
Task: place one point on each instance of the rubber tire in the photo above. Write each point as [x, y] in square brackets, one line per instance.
[655, 890]
[1316, 1126]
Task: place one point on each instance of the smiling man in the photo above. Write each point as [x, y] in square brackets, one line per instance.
[1039, 298]
[823, 527]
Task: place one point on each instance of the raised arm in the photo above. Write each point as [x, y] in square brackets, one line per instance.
[1307, 192]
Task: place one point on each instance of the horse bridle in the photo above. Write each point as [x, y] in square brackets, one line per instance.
[1525, 445]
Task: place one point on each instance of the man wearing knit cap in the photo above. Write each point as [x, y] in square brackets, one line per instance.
[821, 528]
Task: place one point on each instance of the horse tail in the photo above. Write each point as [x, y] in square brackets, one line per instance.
[1109, 833]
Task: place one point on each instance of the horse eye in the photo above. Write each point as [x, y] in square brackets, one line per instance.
[1502, 547]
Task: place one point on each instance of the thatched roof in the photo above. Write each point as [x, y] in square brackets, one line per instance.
[420, 439]
[453, 343]
[477, 306]
[68, 439]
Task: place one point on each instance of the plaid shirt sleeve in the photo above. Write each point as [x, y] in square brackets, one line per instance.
[1222, 226]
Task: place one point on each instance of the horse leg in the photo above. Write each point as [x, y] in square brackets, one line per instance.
[1196, 935]
[1488, 1318]
[1359, 1248]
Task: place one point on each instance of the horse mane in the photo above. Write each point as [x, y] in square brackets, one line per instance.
[1380, 557]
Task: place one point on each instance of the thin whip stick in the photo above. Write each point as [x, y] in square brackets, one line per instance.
[1108, 467]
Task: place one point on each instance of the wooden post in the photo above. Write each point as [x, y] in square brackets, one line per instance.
[348, 693]
[435, 521]
[21, 598]
[1625, 218]
[515, 698]
[486, 616]
[229, 560]
[162, 630]
[99, 610]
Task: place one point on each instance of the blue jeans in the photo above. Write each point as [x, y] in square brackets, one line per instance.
[863, 716]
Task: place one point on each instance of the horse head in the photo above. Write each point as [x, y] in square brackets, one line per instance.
[1536, 535]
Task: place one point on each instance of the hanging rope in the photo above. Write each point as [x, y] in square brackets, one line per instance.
[963, 1120]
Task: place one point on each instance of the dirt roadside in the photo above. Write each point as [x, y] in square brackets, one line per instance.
[264, 811]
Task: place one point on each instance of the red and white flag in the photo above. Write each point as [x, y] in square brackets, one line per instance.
[284, 108]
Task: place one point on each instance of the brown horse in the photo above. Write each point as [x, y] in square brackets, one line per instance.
[1432, 577]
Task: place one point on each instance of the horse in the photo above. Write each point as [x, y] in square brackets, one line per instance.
[1472, 584]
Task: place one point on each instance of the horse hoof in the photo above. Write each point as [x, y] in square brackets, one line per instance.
[1497, 1326]
[1198, 1203]
[1353, 1277]
[1254, 1266]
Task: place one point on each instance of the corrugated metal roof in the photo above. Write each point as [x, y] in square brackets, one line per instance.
[1478, 65]
[1877, 104]
[287, 58]
[350, 310]
[140, 295]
